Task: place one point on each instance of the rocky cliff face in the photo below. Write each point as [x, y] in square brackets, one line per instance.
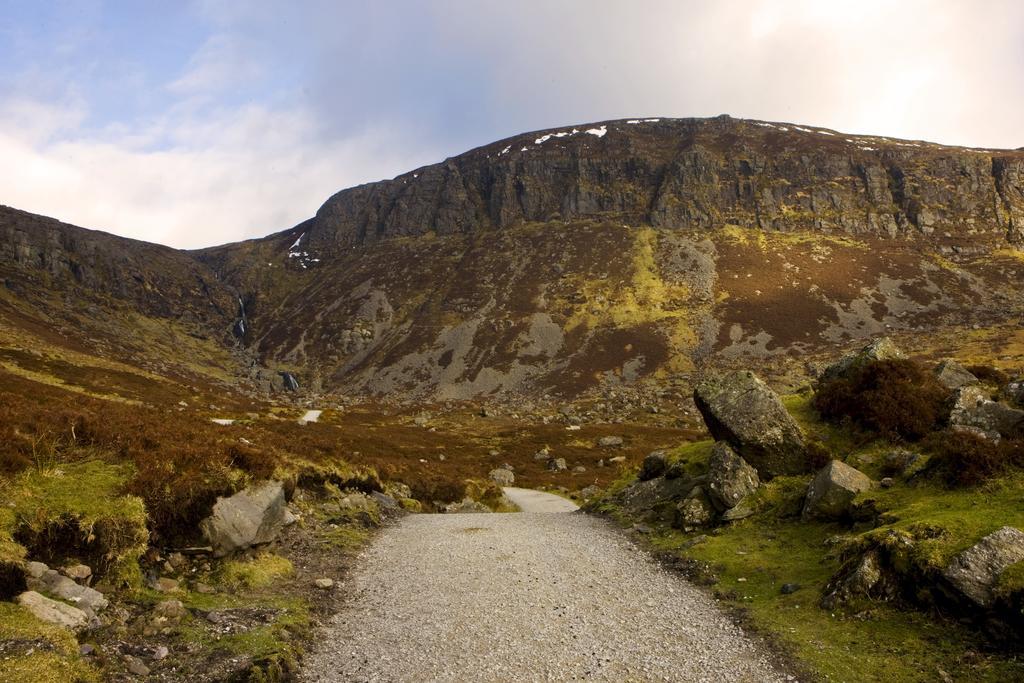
[694, 173]
[621, 254]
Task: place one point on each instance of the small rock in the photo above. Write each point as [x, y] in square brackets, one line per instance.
[617, 459]
[36, 570]
[887, 482]
[610, 441]
[170, 609]
[85, 649]
[737, 513]
[177, 560]
[77, 572]
[952, 375]
[160, 653]
[136, 666]
[324, 583]
[789, 588]
[53, 611]
[502, 477]
[165, 585]
[579, 469]
[654, 465]
[204, 588]
[833, 489]
[557, 464]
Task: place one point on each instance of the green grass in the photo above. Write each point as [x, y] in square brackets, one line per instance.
[85, 500]
[55, 657]
[864, 640]
[259, 572]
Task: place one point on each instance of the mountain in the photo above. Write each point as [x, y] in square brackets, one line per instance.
[617, 256]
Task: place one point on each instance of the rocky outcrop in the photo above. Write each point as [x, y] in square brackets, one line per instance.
[250, 517]
[730, 478]
[832, 491]
[740, 409]
[692, 172]
[880, 349]
[971, 409]
[952, 375]
[975, 572]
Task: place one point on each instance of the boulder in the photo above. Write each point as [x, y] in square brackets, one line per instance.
[644, 498]
[1015, 391]
[952, 375]
[250, 517]
[89, 600]
[730, 477]
[557, 465]
[654, 465]
[880, 349]
[502, 477]
[610, 441]
[832, 491]
[739, 408]
[78, 572]
[971, 408]
[975, 572]
[53, 611]
[385, 502]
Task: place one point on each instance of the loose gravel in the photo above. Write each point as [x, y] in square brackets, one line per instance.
[525, 597]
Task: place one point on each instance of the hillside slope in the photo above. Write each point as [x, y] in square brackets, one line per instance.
[620, 255]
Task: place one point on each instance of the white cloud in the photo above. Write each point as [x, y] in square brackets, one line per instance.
[240, 174]
[222, 63]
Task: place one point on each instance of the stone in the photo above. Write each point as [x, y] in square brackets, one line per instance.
[89, 600]
[675, 470]
[641, 498]
[900, 461]
[975, 572]
[887, 482]
[502, 477]
[654, 465]
[832, 491]
[740, 409]
[53, 611]
[324, 583]
[694, 511]
[160, 653]
[737, 513]
[880, 349]
[250, 517]
[1014, 391]
[952, 375]
[85, 649]
[170, 609]
[468, 505]
[730, 478]
[77, 572]
[557, 464]
[35, 570]
[590, 492]
[136, 666]
[579, 469]
[617, 459]
[385, 502]
[165, 585]
[789, 588]
[971, 407]
[610, 441]
[177, 560]
[204, 588]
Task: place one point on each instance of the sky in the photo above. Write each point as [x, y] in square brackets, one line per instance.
[200, 122]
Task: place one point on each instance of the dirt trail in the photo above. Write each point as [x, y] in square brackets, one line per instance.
[525, 597]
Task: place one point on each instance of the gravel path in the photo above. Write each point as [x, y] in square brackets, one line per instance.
[530, 500]
[525, 597]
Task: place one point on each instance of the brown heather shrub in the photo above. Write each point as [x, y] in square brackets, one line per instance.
[989, 374]
[963, 459]
[898, 399]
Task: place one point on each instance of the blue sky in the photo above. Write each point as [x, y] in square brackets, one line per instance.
[195, 123]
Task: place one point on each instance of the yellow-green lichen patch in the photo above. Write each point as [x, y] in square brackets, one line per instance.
[259, 572]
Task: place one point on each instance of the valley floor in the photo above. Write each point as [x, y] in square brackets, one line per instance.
[526, 597]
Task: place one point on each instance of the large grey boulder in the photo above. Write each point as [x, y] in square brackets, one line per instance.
[971, 408]
[833, 489]
[53, 611]
[730, 477]
[739, 408]
[975, 572]
[952, 375]
[250, 517]
[645, 498]
[880, 349]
